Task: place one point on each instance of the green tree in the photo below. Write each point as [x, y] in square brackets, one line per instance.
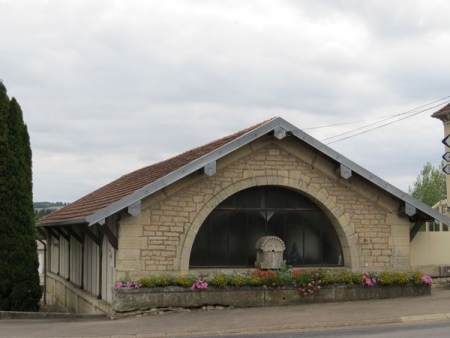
[38, 214]
[19, 277]
[430, 185]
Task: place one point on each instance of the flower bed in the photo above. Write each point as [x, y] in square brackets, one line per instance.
[265, 288]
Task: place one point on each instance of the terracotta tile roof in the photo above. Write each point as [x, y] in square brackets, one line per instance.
[77, 211]
[443, 110]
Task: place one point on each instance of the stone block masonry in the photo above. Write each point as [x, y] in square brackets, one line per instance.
[161, 237]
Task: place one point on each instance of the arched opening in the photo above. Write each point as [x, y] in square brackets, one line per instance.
[228, 236]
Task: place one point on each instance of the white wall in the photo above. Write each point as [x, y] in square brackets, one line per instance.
[431, 247]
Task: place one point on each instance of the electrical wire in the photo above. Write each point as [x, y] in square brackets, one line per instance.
[350, 122]
[383, 125]
[410, 113]
[375, 118]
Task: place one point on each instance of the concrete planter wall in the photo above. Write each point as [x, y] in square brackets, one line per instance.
[125, 300]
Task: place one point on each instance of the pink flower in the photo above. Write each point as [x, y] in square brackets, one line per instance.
[199, 284]
[118, 285]
[427, 280]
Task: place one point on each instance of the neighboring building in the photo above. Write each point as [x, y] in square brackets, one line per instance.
[204, 211]
[443, 114]
[431, 248]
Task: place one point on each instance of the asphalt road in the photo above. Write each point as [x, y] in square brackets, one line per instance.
[439, 329]
[343, 319]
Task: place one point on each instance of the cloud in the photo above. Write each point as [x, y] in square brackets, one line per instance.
[109, 87]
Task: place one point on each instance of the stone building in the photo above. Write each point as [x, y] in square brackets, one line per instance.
[205, 210]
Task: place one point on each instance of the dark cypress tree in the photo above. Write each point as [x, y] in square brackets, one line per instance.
[19, 277]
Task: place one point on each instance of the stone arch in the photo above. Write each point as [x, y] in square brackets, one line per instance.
[340, 221]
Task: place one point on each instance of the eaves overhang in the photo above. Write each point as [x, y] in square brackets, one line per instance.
[424, 210]
[62, 223]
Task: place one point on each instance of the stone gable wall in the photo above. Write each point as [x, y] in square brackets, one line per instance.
[159, 240]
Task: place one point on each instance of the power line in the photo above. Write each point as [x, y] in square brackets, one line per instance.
[376, 118]
[350, 122]
[410, 113]
[383, 125]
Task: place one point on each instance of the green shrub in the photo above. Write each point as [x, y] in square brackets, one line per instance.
[345, 277]
[254, 280]
[349, 277]
[386, 278]
[284, 278]
[400, 278]
[185, 281]
[301, 277]
[148, 282]
[220, 280]
[328, 278]
[164, 280]
[357, 278]
[416, 277]
[238, 280]
[287, 277]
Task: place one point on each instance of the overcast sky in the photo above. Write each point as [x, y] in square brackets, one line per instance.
[108, 87]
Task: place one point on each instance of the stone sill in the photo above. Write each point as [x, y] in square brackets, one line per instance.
[126, 300]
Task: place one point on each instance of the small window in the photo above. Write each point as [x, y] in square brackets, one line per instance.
[433, 226]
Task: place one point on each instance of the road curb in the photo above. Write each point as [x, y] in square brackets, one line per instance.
[306, 326]
[46, 315]
[218, 332]
[423, 318]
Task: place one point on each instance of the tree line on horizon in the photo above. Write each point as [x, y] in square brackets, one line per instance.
[42, 205]
[42, 209]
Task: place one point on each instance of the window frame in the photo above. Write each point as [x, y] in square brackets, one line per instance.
[203, 255]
